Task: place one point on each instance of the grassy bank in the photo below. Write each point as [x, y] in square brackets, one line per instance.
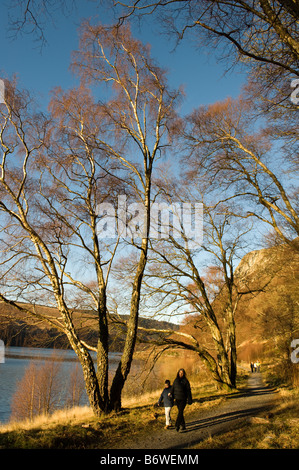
[78, 428]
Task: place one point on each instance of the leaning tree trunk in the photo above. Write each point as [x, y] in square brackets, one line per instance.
[89, 374]
[215, 371]
[124, 366]
[224, 365]
[103, 362]
[233, 348]
[125, 363]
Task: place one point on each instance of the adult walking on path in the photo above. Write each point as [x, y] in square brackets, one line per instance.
[181, 392]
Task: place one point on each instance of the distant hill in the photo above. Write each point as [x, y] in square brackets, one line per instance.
[17, 329]
[268, 321]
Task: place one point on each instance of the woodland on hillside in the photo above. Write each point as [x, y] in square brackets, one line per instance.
[21, 330]
[234, 178]
[267, 320]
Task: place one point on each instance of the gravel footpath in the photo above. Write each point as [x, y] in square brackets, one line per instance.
[228, 415]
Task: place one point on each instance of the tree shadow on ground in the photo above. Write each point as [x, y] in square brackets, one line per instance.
[244, 392]
[217, 422]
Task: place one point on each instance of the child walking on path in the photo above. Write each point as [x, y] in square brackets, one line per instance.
[167, 401]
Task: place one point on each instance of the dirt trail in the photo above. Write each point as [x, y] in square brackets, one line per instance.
[256, 398]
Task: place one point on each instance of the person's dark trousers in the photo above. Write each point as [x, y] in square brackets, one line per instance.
[180, 421]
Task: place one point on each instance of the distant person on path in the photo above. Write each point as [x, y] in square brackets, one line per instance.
[167, 400]
[251, 366]
[181, 392]
[258, 366]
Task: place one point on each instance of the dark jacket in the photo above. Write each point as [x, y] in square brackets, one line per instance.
[181, 390]
[165, 399]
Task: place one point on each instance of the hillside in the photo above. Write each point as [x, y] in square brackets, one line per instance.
[266, 298]
[268, 319]
[17, 329]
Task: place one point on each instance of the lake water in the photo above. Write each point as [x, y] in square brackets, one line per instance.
[18, 359]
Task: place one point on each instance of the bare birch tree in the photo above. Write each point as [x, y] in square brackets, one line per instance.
[56, 172]
[38, 392]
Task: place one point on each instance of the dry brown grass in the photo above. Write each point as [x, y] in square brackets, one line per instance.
[78, 428]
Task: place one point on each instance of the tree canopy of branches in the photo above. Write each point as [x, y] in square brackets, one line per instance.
[262, 35]
[260, 30]
[229, 151]
[32, 16]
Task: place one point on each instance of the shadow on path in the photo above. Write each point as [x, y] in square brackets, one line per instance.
[219, 420]
[258, 398]
[245, 392]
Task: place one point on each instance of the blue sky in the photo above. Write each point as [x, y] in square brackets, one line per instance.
[204, 79]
